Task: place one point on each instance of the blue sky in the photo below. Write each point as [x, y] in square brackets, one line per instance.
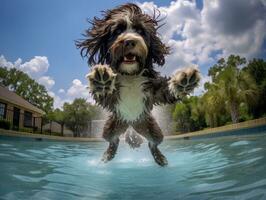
[199, 33]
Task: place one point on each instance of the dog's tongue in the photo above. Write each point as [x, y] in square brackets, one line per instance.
[129, 58]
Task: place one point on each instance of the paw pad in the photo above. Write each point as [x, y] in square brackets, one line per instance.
[102, 80]
[184, 81]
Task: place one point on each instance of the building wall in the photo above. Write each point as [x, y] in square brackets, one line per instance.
[10, 113]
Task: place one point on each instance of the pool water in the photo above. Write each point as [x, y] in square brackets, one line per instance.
[219, 168]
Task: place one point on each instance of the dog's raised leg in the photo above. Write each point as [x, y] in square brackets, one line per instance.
[152, 132]
[184, 81]
[102, 80]
[113, 128]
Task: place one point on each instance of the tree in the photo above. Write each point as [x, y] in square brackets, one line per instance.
[257, 69]
[189, 115]
[58, 116]
[213, 104]
[77, 115]
[182, 117]
[197, 112]
[235, 93]
[234, 85]
[24, 86]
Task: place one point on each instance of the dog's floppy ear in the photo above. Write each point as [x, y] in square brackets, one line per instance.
[94, 46]
[158, 50]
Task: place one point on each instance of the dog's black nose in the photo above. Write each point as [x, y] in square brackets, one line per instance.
[129, 43]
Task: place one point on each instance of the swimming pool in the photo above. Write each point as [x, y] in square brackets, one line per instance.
[216, 168]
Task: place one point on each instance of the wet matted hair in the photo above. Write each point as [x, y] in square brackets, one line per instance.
[104, 31]
[123, 47]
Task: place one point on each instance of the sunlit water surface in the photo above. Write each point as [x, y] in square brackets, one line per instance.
[220, 168]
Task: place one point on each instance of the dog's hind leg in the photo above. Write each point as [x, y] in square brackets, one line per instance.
[133, 139]
[113, 128]
[149, 128]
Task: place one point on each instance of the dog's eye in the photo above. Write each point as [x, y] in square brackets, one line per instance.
[140, 31]
[118, 31]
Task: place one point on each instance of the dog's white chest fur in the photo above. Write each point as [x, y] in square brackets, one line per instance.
[131, 103]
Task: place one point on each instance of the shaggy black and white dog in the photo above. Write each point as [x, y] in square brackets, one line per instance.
[122, 49]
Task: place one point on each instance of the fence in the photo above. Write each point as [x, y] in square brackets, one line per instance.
[16, 119]
[21, 121]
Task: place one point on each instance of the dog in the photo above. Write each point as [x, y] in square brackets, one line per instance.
[123, 48]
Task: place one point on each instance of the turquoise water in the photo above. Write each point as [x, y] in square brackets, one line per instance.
[219, 168]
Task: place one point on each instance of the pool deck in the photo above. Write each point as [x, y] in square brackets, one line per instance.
[12, 133]
[218, 131]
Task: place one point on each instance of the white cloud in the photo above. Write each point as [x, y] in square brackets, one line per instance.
[177, 13]
[5, 63]
[177, 17]
[77, 89]
[196, 36]
[225, 26]
[36, 66]
[61, 91]
[47, 81]
[237, 26]
[58, 101]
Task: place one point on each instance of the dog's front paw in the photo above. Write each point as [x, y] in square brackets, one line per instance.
[184, 81]
[102, 80]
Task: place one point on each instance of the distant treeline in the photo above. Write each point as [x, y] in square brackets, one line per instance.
[26, 87]
[75, 115]
[236, 92]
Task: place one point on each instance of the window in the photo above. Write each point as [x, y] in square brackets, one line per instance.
[27, 119]
[2, 110]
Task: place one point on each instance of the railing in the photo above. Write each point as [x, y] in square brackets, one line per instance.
[25, 122]
[15, 119]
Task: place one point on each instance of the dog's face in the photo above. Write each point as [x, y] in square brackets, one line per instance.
[129, 48]
[126, 39]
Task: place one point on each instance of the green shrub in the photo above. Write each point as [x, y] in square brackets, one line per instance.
[5, 124]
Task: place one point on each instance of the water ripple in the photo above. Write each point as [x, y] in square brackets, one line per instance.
[209, 169]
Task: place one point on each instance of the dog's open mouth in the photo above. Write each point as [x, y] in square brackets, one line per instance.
[129, 58]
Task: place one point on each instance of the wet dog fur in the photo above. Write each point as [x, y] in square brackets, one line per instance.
[123, 47]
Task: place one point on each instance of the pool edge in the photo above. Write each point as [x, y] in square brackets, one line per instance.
[208, 133]
[219, 131]
[11, 133]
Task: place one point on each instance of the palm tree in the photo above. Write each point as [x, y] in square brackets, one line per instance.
[197, 112]
[213, 104]
[257, 69]
[236, 87]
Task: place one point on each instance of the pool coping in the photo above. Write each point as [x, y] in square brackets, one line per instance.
[11, 133]
[203, 133]
[218, 131]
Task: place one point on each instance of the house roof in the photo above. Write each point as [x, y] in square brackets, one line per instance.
[13, 98]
